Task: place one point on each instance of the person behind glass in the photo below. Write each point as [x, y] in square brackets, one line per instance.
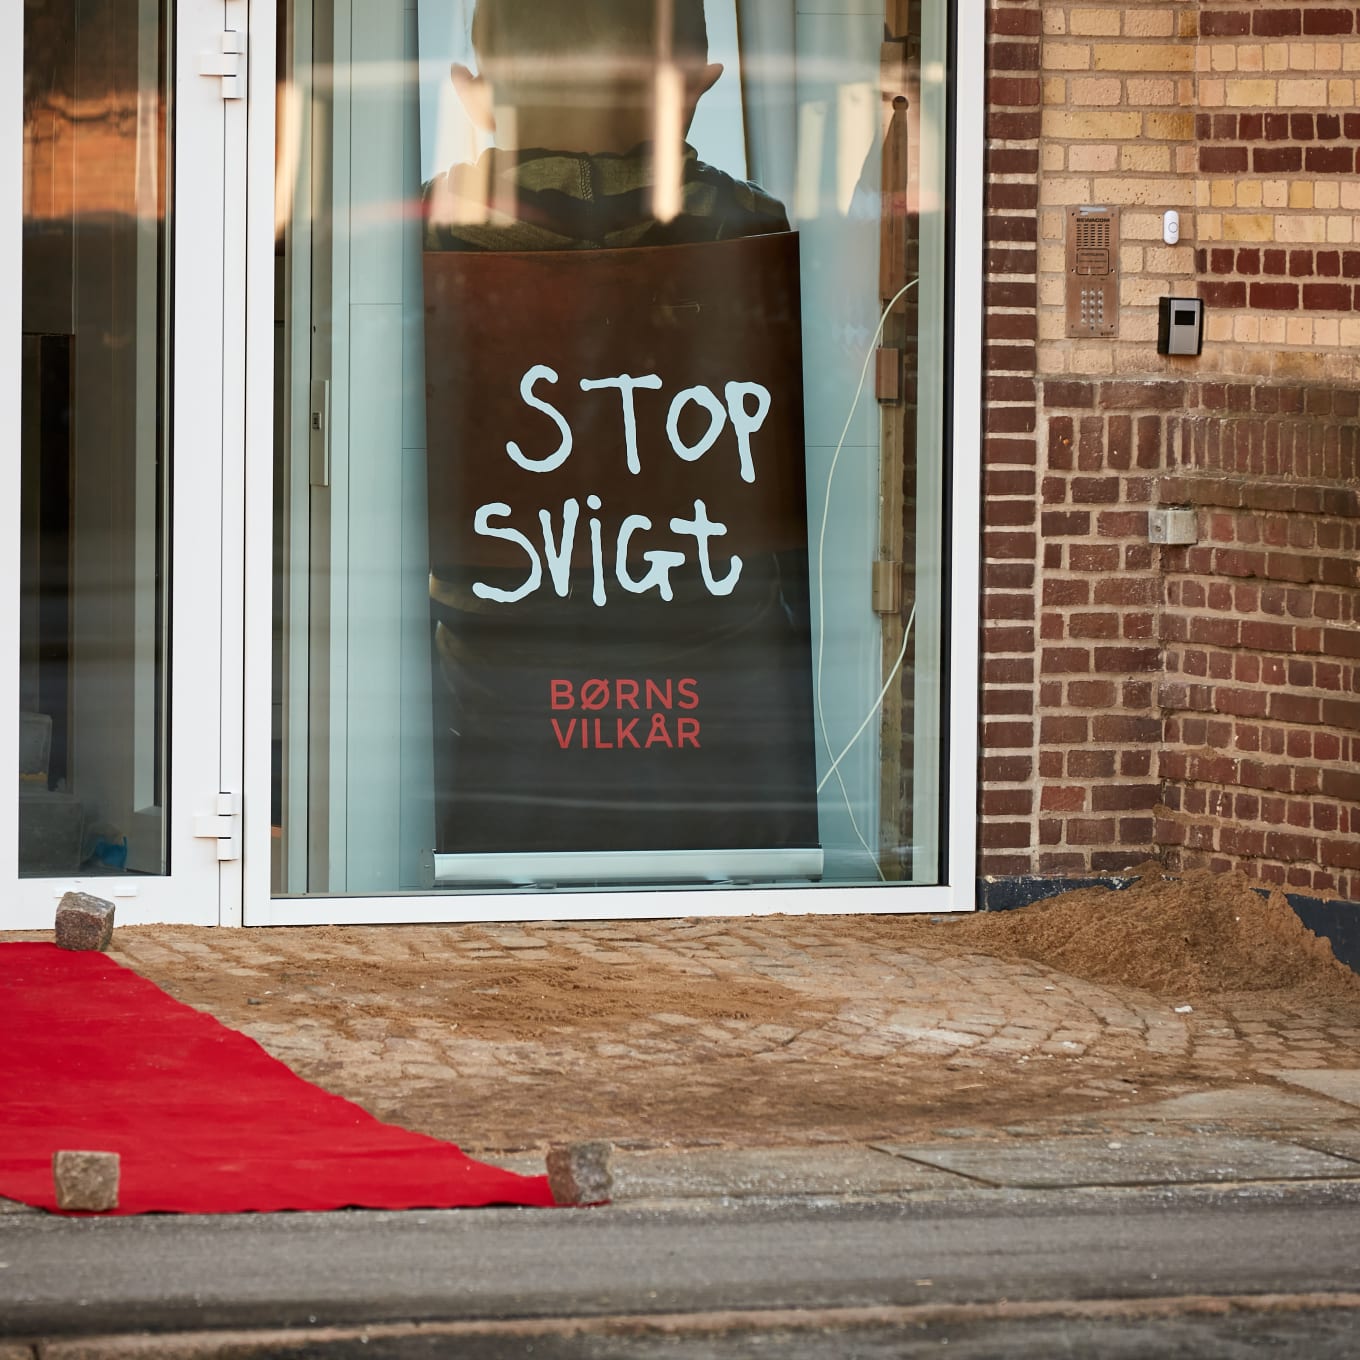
[590, 102]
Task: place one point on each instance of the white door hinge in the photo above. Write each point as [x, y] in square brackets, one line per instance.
[222, 826]
[228, 63]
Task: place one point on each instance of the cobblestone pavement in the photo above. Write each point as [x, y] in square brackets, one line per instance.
[750, 1032]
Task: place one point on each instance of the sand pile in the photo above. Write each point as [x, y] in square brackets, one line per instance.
[1193, 936]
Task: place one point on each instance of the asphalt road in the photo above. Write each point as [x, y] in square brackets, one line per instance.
[62, 1277]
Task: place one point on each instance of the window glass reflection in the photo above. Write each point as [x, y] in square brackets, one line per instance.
[610, 463]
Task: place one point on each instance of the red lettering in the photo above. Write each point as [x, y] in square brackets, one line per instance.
[626, 693]
[688, 730]
[660, 734]
[562, 693]
[600, 743]
[689, 693]
[564, 738]
[595, 694]
[664, 697]
[625, 733]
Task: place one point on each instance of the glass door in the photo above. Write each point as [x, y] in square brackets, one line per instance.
[606, 534]
[120, 244]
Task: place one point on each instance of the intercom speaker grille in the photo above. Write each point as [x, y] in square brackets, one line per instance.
[1092, 271]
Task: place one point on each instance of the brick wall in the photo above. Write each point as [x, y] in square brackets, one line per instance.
[1201, 705]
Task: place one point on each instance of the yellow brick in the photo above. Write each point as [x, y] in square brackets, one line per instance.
[1052, 360]
[1212, 94]
[1052, 226]
[1093, 126]
[1201, 194]
[1167, 193]
[1301, 194]
[1204, 59]
[1249, 227]
[1170, 260]
[1066, 57]
[1055, 20]
[1131, 259]
[1303, 93]
[1277, 57]
[1300, 229]
[1249, 193]
[1143, 57]
[1302, 57]
[1350, 195]
[1052, 157]
[1340, 230]
[1223, 57]
[1089, 358]
[1052, 292]
[1326, 332]
[1222, 193]
[1274, 194]
[1152, 91]
[1093, 158]
[1218, 327]
[1250, 94]
[1149, 23]
[1139, 325]
[1246, 329]
[1299, 330]
[1141, 156]
[1169, 127]
[1250, 58]
[1052, 325]
[1185, 159]
[1350, 57]
[1326, 194]
[1350, 334]
[1065, 191]
[1052, 259]
[1096, 22]
[1055, 90]
[1341, 94]
[1141, 226]
[1327, 57]
[1272, 330]
[1096, 91]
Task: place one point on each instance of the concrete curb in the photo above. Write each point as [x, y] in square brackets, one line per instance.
[244, 1345]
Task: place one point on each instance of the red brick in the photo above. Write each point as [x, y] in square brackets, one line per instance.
[1277, 297]
[1333, 19]
[1329, 160]
[1326, 297]
[1274, 21]
[1224, 23]
[1276, 160]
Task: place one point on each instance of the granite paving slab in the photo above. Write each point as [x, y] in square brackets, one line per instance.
[1239, 1104]
[1146, 1159]
[1338, 1083]
[708, 1173]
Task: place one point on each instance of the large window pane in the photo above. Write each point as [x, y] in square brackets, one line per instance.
[610, 461]
[93, 581]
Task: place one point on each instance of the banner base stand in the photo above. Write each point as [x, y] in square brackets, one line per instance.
[549, 868]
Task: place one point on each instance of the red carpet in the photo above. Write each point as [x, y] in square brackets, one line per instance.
[94, 1057]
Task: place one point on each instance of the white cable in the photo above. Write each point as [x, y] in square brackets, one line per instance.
[878, 703]
[821, 594]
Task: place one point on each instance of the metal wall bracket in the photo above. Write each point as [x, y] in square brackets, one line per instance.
[222, 826]
[227, 64]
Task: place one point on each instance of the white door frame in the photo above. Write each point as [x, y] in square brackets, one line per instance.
[206, 514]
[957, 893]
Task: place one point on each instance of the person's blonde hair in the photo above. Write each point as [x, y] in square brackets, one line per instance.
[547, 28]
